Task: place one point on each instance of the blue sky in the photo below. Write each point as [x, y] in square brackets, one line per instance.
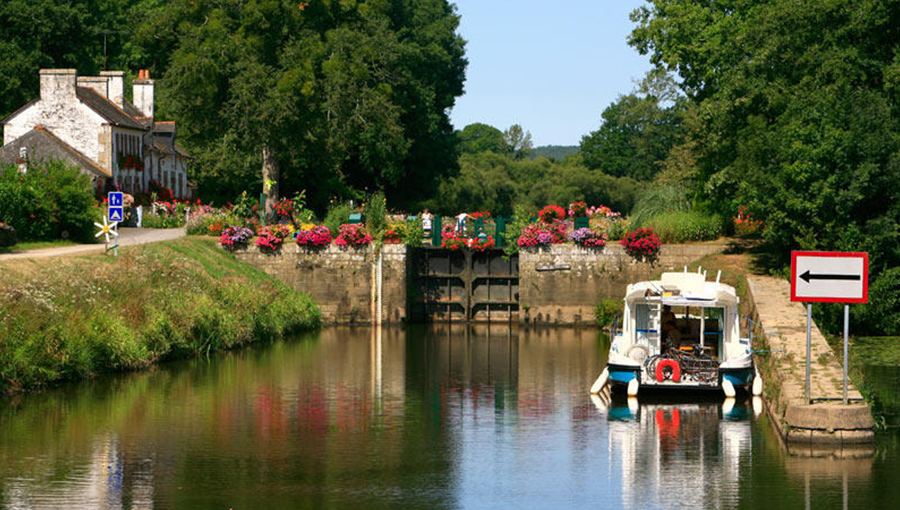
[550, 66]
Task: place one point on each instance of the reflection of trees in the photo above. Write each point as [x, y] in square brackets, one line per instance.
[289, 425]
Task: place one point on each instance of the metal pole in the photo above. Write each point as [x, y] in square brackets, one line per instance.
[808, 348]
[846, 347]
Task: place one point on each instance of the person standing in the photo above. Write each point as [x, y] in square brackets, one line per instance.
[426, 224]
[461, 223]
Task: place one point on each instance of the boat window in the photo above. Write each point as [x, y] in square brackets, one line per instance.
[714, 320]
[642, 318]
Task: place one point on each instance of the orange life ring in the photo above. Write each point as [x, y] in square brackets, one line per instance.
[673, 365]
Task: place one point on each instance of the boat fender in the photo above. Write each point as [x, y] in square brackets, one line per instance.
[672, 365]
[728, 388]
[633, 387]
[757, 385]
[600, 382]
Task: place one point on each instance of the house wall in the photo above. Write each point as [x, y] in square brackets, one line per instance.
[67, 118]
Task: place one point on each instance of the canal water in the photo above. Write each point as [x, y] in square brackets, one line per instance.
[439, 417]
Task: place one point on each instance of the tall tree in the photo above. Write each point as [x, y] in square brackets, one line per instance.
[344, 95]
[638, 131]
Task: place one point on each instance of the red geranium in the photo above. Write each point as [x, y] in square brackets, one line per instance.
[552, 213]
[642, 244]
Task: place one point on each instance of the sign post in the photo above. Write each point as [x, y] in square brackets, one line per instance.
[829, 277]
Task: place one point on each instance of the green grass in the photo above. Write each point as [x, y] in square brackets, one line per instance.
[37, 245]
[685, 226]
[81, 316]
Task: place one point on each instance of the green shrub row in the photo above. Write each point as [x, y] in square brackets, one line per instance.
[97, 314]
[51, 201]
[686, 226]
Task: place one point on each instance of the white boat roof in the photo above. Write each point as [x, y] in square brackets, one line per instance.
[683, 289]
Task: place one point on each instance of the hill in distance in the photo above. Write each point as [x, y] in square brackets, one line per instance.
[554, 152]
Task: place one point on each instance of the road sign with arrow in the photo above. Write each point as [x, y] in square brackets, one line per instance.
[829, 277]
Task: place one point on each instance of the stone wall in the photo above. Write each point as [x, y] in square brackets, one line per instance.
[340, 280]
[562, 283]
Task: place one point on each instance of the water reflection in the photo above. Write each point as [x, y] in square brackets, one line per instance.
[688, 454]
[440, 417]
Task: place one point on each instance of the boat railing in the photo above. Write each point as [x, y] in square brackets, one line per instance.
[751, 325]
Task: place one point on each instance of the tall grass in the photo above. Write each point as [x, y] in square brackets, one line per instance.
[686, 226]
[657, 200]
[81, 316]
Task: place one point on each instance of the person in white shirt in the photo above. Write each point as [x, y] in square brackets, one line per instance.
[426, 222]
[461, 223]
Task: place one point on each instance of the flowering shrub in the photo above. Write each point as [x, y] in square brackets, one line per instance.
[642, 244]
[127, 161]
[215, 228]
[533, 235]
[314, 236]
[602, 210]
[552, 213]
[588, 237]
[450, 238]
[745, 224]
[270, 238]
[481, 243]
[284, 209]
[391, 236]
[480, 214]
[235, 237]
[353, 235]
[578, 209]
[162, 192]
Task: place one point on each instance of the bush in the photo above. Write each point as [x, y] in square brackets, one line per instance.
[642, 244]
[337, 215]
[154, 220]
[52, 201]
[606, 310]
[679, 227]
[374, 214]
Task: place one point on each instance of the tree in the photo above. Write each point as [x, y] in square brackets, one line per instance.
[637, 132]
[478, 137]
[796, 116]
[518, 142]
[348, 96]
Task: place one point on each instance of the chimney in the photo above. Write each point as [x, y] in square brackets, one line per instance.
[58, 84]
[142, 89]
[95, 83]
[115, 86]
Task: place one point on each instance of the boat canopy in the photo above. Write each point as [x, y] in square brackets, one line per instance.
[683, 289]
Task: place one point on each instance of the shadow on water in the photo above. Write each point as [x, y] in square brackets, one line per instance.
[424, 417]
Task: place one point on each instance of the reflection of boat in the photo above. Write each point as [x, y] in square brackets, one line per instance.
[687, 455]
[680, 332]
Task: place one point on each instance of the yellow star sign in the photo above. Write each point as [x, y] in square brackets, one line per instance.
[106, 229]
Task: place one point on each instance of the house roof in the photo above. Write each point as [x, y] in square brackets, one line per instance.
[108, 110]
[43, 145]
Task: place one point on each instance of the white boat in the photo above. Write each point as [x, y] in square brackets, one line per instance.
[680, 332]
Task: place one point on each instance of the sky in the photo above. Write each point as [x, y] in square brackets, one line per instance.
[550, 66]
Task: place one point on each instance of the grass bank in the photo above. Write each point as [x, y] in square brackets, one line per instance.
[74, 317]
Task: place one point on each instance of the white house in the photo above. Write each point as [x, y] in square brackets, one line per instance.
[87, 120]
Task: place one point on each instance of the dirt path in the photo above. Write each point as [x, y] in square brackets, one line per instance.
[127, 237]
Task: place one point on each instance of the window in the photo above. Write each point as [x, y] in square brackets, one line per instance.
[642, 318]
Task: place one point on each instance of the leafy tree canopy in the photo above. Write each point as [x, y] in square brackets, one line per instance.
[638, 131]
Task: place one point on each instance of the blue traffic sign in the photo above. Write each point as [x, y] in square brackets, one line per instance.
[116, 199]
[116, 214]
